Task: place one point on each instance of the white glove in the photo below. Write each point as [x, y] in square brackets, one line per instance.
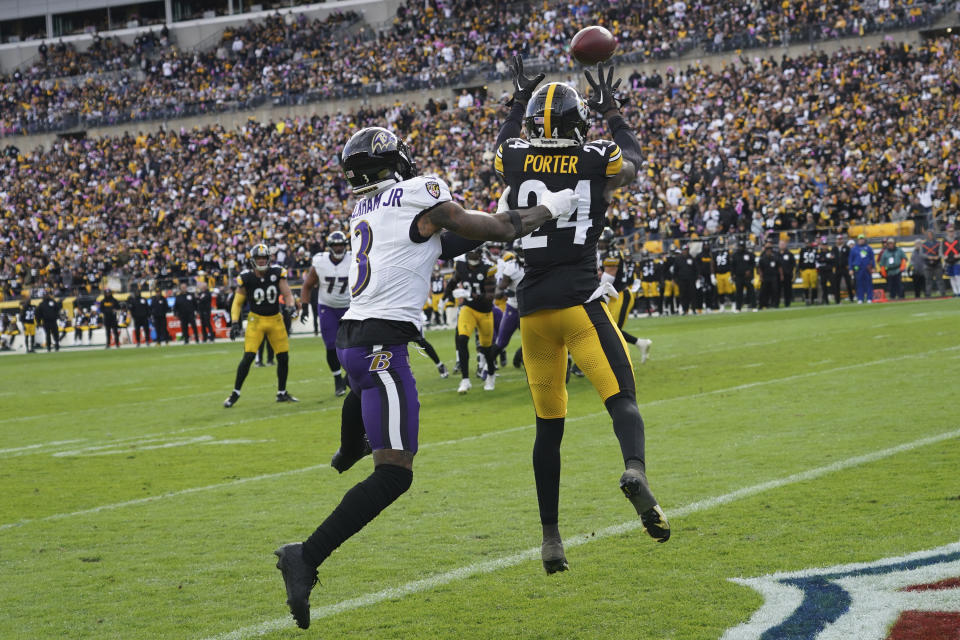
[713, 279]
[502, 202]
[461, 293]
[560, 203]
[605, 291]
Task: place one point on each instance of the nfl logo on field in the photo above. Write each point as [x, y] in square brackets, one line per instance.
[904, 598]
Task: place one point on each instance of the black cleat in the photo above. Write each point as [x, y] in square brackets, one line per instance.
[298, 578]
[232, 400]
[339, 386]
[341, 462]
[259, 363]
[575, 370]
[518, 359]
[551, 552]
[442, 370]
[284, 396]
[503, 359]
[271, 363]
[634, 485]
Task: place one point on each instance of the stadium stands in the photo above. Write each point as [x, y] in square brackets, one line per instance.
[805, 145]
[296, 60]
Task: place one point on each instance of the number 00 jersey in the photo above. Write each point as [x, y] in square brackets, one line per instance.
[561, 256]
[333, 289]
[263, 292]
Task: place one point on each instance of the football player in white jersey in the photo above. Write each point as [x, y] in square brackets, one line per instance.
[330, 270]
[509, 275]
[401, 224]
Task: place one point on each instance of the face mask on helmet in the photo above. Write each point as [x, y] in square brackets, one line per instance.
[375, 158]
[337, 244]
[260, 258]
[556, 116]
[473, 258]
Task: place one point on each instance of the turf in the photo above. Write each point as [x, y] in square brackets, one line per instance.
[135, 506]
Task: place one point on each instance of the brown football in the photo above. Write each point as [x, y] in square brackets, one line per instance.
[592, 45]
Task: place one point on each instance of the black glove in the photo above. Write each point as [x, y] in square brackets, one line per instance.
[304, 313]
[523, 85]
[604, 97]
[290, 311]
[235, 330]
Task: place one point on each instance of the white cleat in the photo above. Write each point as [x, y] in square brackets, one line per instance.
[465, 385]
[490, 383]
[644, 345]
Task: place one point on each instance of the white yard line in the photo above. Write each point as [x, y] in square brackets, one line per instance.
[490, 566]
[173, 494]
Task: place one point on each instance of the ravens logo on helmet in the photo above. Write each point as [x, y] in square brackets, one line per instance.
[374, 158]
[337, 244]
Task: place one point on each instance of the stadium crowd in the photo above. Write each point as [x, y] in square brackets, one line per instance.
[291, 59]
[805, 144]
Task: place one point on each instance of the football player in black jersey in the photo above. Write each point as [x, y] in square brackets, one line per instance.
[561, 298]
[28, 318]
[262, 285]
[616, 267]
[650, 276]
[723, 264]
[808, 271]
[474, 281]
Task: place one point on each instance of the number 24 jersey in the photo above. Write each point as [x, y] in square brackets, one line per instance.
[561, 256]
[263, 292]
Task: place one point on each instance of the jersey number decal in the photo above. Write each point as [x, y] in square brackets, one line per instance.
[365, 233]
[332, 282]
[269, 294]
[579, 220]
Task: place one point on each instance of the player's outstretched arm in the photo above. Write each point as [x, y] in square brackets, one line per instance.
[605, 102]
[503, 226]
[306, 290]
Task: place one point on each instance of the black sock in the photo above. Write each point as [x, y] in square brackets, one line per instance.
[546, 467]
[351, 424]
[627, 424]
[632, 339]
[428, 348]
[283, 363]
[243, 369]
[491, 354]
[332, 360]
[360, 505]
[464, 352]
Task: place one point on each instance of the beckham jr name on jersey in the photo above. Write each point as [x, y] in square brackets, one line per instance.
[561, 256]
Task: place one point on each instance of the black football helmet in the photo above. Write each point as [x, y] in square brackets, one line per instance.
[337, 244]
[606, 238]
[375, 157]
[556, 116]
[258, 252]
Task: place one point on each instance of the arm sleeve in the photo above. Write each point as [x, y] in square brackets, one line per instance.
[513, 124]
[238, 301]
[453, 245]
[626, 139]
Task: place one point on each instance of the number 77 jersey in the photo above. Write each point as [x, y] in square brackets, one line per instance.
[561, 256]
[333, 289]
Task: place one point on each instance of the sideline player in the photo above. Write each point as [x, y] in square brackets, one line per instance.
[262, 285]
[330, 269]
[28, 319]
[561, 296]
[397, 234]
[509, 275]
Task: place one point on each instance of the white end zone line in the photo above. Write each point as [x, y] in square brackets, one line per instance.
[490, 566]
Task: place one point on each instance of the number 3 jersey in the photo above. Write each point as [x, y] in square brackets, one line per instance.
[392, 263]
[561, 256]
[333, 289]
[263, 292]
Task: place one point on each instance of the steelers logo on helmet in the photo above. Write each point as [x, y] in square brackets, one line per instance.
[556, 116]
[337, 244]
[260, 258]
[375, 158]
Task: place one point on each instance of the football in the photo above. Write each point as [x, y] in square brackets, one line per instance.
[592, 45]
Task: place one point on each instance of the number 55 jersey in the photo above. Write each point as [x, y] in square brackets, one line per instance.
[561, 256]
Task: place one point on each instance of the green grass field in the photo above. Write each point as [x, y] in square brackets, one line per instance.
[134, 506]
